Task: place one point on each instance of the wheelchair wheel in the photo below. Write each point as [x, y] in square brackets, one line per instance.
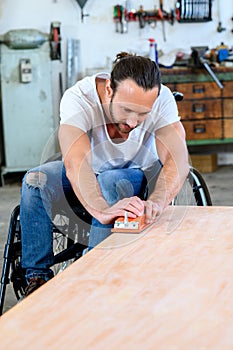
[194, 191]
[199, 187]
[12, 270]
[68, 244]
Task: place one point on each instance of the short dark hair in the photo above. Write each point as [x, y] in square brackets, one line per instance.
[142, 70]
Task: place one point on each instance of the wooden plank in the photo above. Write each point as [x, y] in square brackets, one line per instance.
[169, 287]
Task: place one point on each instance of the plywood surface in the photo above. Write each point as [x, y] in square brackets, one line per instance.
[169, 288]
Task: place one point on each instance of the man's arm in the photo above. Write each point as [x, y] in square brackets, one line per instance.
[173, 153]
[76, 151]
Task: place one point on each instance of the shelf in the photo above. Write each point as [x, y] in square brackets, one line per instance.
[209, 142]
[194, 75]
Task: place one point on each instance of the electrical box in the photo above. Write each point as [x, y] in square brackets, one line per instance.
[27, 106]
[25, 70]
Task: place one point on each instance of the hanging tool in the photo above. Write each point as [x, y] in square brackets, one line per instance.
[193, 11]
[142, 16]
[55, 41]
[119, 17]
[82, 4]
[161, 12]
[220, 27]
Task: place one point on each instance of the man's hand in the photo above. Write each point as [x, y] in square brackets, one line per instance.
[133, 205]
[152, 211]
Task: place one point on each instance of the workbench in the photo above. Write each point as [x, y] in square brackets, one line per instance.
[167, 288]
[206, 111]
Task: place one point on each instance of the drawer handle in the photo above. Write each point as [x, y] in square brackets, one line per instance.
[198, 89]
[199, 128]
[198, 108]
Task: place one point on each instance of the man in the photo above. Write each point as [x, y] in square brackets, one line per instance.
[124, 150]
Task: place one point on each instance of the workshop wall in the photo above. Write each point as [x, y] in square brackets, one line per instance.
[99, 42]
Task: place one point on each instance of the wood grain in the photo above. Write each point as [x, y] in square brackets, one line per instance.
[168, 288]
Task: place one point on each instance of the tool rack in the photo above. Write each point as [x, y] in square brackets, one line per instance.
[193, 11]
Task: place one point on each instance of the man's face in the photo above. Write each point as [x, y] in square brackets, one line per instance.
[131, 105]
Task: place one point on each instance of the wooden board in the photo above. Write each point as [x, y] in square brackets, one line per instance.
[169, 288]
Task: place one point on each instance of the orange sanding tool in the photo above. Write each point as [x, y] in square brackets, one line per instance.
[125, 224]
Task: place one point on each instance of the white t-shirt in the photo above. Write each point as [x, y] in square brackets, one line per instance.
[80, 106]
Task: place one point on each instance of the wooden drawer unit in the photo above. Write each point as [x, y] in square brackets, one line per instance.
[228, 89]
[228, 108]
[228, 128]
[197, 90]
[206, 110]
[200, 109]
[227, 94]
[203, 129]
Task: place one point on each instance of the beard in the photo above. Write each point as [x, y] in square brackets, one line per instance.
[121, 126]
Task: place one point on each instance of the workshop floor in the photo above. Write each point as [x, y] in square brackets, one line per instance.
[220, 184]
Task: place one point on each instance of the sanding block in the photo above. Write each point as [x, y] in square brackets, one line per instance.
[125, 224]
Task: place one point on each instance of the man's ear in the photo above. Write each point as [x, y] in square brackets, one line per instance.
[108, 88]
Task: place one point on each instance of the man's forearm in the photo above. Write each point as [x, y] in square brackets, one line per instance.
[86, 188]
[169, 182]
[76, 151]
[172, 151]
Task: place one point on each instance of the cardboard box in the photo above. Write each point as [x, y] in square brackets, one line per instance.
[205, 163]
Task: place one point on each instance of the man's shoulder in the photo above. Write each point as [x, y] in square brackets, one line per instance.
[165, 90]
[90, 79]
[86, 87]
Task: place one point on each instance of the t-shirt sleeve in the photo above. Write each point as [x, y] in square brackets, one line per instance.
[165, 109]
[74, 111]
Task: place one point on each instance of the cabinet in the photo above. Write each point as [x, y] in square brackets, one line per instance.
[27, 111]
[206, 110]
[228, 109]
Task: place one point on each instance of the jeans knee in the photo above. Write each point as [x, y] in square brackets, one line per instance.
[36, 179]
[124, 188]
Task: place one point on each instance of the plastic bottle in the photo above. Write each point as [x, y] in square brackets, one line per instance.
[153, 53]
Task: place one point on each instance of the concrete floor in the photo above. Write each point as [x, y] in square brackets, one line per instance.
[220, 184]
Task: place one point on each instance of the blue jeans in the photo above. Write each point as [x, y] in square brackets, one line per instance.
[46, 189]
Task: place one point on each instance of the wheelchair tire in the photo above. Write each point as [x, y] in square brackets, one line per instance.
[66, 251]
[200, 189]
[194, 191]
